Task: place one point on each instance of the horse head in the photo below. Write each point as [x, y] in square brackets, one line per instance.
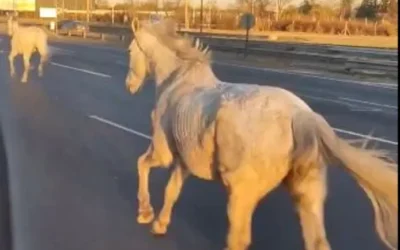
[12, 25]
[159, 49]
[145, 44]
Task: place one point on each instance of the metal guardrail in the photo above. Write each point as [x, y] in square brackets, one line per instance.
[378, 63]
[260, 43]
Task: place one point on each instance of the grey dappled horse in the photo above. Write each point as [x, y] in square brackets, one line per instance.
[25, 41]
[250, 137]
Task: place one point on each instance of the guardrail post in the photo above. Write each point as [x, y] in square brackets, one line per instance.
[102, 37]
[84, 34]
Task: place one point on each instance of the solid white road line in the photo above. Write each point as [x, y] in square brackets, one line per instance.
[59, 51]
[368, 137]
[80, 70]
[369, 103]
[343, 131]
[288, 72]
[120, 127]
[381, 85]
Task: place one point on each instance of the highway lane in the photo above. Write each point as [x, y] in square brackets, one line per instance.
[74, 178]
[368, 107]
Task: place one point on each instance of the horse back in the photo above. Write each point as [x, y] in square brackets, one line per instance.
[27, 39]
[254, 130]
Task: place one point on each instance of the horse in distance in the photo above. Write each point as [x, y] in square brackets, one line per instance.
[25, 41]
[222, 131]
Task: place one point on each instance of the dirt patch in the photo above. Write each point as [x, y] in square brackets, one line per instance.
[312, 38]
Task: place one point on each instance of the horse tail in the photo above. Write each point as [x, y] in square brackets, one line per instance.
[43, 47]
[315, 139]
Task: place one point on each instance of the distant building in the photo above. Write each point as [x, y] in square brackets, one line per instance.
[35, 5]
[66, 4]
[20, 5]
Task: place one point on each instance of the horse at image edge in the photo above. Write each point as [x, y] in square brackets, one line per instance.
[230, 132]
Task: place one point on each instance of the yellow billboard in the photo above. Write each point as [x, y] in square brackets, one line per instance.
[18, 5]
[25, 5]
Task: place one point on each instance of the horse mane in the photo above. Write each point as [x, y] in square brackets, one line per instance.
[185, 47]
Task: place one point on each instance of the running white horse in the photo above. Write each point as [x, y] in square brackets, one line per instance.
[250, 137]
[25, 41]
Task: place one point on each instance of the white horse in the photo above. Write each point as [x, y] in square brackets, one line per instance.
[25, 41]
[250, 137]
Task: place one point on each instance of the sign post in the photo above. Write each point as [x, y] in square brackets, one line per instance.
[112, 4]
[247, 21]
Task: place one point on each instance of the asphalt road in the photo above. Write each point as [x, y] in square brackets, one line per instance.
[73, 138]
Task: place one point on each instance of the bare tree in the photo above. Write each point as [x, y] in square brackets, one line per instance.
[346, 7]
[280, 6]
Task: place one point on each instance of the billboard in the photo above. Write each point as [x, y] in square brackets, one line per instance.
[18, 5]
[6, 4]
[48, 12]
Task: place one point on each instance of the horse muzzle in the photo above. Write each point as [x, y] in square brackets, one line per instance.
[132, 87]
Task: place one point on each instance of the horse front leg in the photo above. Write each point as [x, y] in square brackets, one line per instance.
[11, 58]
[27, 58]
[146, 161]
[172, 192]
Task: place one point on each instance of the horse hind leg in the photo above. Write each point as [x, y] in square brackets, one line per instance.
[27, 58]
[172, 192]
[245, 190]
[308, 191]
[43, 58]
[40, 67]
[146, 161]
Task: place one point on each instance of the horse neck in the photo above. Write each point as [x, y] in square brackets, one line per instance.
[186, 78]
[165, 64]
[14, 29]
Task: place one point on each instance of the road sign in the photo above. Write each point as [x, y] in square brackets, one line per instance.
[155, 18]
[247, 21]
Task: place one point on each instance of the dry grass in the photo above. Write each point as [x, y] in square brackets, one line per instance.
[313, 38]
[327, 33]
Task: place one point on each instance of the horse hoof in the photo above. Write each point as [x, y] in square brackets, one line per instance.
[158, 228]
[145, 217]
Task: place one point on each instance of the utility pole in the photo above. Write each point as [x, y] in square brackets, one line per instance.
[132, 10]
[63, 9]
[186, 14]
[56, 23]
[201, 16]
[210, 5]
[76, 10]
[87, 11]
